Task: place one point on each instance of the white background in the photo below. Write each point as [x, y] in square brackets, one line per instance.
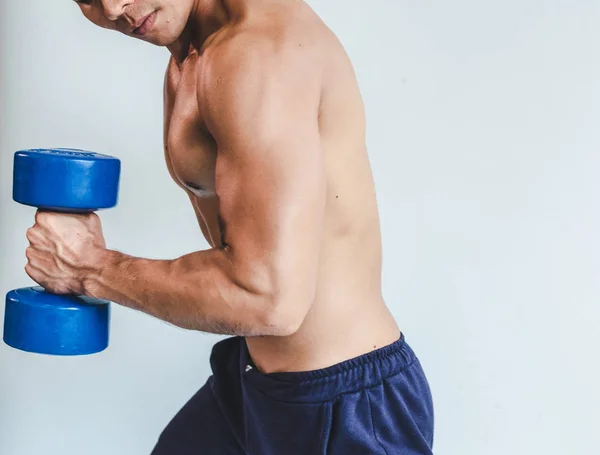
[484, 137]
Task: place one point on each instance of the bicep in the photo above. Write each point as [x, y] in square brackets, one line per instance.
[271, 203]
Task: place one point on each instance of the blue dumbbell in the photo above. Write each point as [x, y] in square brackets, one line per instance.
[71, 181]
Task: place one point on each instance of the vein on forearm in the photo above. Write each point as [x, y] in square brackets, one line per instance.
[197, 291]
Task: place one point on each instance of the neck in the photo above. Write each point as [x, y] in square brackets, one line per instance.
[206, 17]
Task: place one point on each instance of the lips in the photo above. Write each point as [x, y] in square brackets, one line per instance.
[145, 25]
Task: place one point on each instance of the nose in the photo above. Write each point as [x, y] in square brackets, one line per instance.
[114, 9]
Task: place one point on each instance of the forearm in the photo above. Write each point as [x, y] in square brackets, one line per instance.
[197, 291]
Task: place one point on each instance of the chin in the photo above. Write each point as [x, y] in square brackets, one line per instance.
[160, 40]
[163, 36]
[157, 38]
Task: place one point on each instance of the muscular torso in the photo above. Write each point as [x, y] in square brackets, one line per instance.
[348, 316]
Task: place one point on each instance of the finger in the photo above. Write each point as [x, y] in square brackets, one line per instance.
[39, 217]
[37, 238]
[35, 274]
[44, 281]
[43, 246]
[37, 258]
[35, 233]
[47, 263]
[31, 234]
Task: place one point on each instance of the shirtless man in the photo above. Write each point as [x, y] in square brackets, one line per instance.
[265, 132]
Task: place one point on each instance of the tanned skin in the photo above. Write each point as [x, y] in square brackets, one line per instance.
[264, 129]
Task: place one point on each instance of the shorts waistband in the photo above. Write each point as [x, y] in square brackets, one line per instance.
[367, 370]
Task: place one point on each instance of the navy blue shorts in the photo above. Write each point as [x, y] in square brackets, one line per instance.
[378, 403]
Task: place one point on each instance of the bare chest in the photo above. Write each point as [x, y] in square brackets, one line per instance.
[190, 150]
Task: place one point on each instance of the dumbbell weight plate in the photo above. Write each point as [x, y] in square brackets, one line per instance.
[44, 323]
[66, 180]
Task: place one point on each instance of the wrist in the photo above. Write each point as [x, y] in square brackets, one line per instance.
[102, 262]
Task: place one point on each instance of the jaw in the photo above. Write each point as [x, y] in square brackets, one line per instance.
[168, 31]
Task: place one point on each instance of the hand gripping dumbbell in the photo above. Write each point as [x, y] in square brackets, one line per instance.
[71, 181]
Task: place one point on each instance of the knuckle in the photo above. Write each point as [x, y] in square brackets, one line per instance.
[93, 219]
[42, 217]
